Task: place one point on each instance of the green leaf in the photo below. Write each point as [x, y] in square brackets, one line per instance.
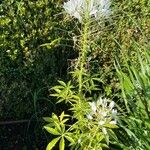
[76, 97]
[54, 95]
[57, 126]
[65, 120]
[113, 135]
[62, 116]
[57, 90]
[111, 126]
[104, 145]
[48, 119]
[107, 139]
[62, 83]
[55, 117]
[52, 44]
[57, 87]
[51, 130]
[62, 144]
[52, 143]
[70, 139]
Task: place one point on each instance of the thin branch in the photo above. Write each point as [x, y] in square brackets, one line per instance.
[14, 122]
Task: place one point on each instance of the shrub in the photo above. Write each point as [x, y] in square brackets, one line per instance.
[30, 54]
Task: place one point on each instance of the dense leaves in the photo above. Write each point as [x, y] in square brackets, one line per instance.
[38, 47]
[31, 53]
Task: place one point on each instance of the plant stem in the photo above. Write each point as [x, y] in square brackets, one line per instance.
[83, 53]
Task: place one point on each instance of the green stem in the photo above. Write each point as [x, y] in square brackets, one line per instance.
[83, 54]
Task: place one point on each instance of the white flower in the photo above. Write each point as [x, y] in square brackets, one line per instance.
[104, 131]
[99, 101]
[103, 113]
[93, 106]
[111, 105]
[96, 8]
[113, 122]
[89, 116]
[101, 123]
[8, 51]
[114, 112]
[103, 7]
[73, 7]
[104, 104]
[89, 6]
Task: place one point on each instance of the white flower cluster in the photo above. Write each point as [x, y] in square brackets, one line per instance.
[103, 112]
[96, 8]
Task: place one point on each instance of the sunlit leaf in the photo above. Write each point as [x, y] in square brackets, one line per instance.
[62, 144]
[52, 143]
[48, 119]
[70, 139]
[51, 130]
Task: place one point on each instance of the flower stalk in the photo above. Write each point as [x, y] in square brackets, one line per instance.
[83, 53]
[84, 44]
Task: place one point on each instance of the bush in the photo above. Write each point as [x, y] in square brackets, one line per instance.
[31, 49]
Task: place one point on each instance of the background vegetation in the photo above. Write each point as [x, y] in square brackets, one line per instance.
[36, 50]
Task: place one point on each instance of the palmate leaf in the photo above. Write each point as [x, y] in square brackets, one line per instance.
[63, 115]
[58, 129]
[56, 122]
[52, 143]
[63, 92]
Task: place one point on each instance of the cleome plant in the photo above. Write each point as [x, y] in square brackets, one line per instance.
[92, 118]
[86, 62]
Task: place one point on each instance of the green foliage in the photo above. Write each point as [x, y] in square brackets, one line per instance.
[129, 22]
[31, 38]
[32, 58]
[85, 133]
[135, 83]
[35, 48]
[63, 91]
[57, 127]
[97, 57]
[93, 123]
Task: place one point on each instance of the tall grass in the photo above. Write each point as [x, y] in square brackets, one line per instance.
[135, 84]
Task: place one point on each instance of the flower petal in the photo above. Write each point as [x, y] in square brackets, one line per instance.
[89, 117]
[104, 131]
[101, 123]
[111, 105]
[113, 122]
[93, 106]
